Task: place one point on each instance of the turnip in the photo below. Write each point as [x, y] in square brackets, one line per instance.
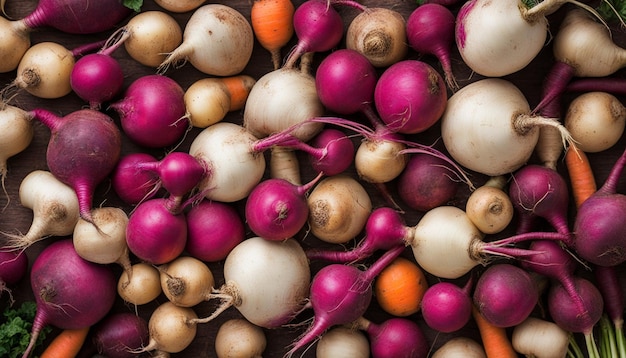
[540, 338]
[340, 294]
[338, 209]
[277, 209]
[171, 329]
[70, 292]
[507, 134]
[152, 111]
[54, 205]
[234, 168]
[83, 150]
[379, 34]
[239, 338]
[430, 30]
[118, 334]
[224, 224]
[132, 184]
[14, 265]
[505, 294]
[186, 281]
[343, 342]
[490, 207]
[207, 102]
[395, 337]
[142, 287]
[266, 281]
[217, 40]
[446, 307]
[154, 233]
[460, 347]
[17, 134]
[179, 6]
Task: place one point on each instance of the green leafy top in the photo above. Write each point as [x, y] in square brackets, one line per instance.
[15, 330]
[133, 4]
[612, 10]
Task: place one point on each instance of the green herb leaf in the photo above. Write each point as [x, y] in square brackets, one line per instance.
[612, 10]
[15, 330]
[133, 4]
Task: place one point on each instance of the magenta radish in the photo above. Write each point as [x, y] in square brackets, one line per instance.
[54, 205]
[217, 40]
[379, 33]
[318, 27]
[537, 190]
[410, 96]
[277, 209]
[505, 294]
[266, 281]
[154, 234]
[223, 222]
[340, 294]
[395, 337]
[13, 268]
[17, 134]
[426, 182]
[234, 168]
[446, 307]
[152, 111]
[118, 334]
[130, 183]
[83, 150]
[508, 133]
[430, 30]
[70, 292]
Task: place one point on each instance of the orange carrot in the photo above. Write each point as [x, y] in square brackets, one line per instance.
[66, 344]
[582, 180]
[495, 339]
[238, 88]
[272, 22]
[400, 287]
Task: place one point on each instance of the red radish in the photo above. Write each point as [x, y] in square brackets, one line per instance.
[340, 294]
[396, 337]
[537, 190]
[345, 82]
[410, 96]
[505, 294]
[446, 307]
[83, 150]
[430, 30]
[152, 111]
[154, 234]
[70, 292]
[426, 182]
[277, 209]
[13, 268]
[318, 26]
[130, 183]
[119, 334]
[223, 222]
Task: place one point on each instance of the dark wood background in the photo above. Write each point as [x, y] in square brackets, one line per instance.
[15, 218]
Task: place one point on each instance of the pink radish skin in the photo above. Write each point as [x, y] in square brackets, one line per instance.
[70, 292]
[505, 295]
[396, 338]
[222, 221]
[154, 234]
[410, 96]
[130, 183]
[430, 30]
[426, 182]
[152, 111]
[120, 334]
[447, 307]
[340, 294]
[277, 209]
[318, 26]
[83, 150]
[13, 268]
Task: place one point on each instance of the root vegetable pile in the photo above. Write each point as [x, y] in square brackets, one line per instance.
[313, 178]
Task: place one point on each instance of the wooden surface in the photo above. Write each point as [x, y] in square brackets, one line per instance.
[15, 218]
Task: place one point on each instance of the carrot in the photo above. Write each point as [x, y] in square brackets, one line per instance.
[400, 287]
[495, 339]
[272, 23]
[66, 344]
[238, 88]
[582, 180]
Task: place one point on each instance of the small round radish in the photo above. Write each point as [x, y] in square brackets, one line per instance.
[396, 337]
[171, 329]
[239, 338]
[490, 207]
[186, 281]
[207, 101]
[343, 342]
[14, 266]
[540, 338]
[119, 334]
[460, 347]
[180, 5]
[140, 285]
[17, 134]
[447, 307]
[130, 183]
